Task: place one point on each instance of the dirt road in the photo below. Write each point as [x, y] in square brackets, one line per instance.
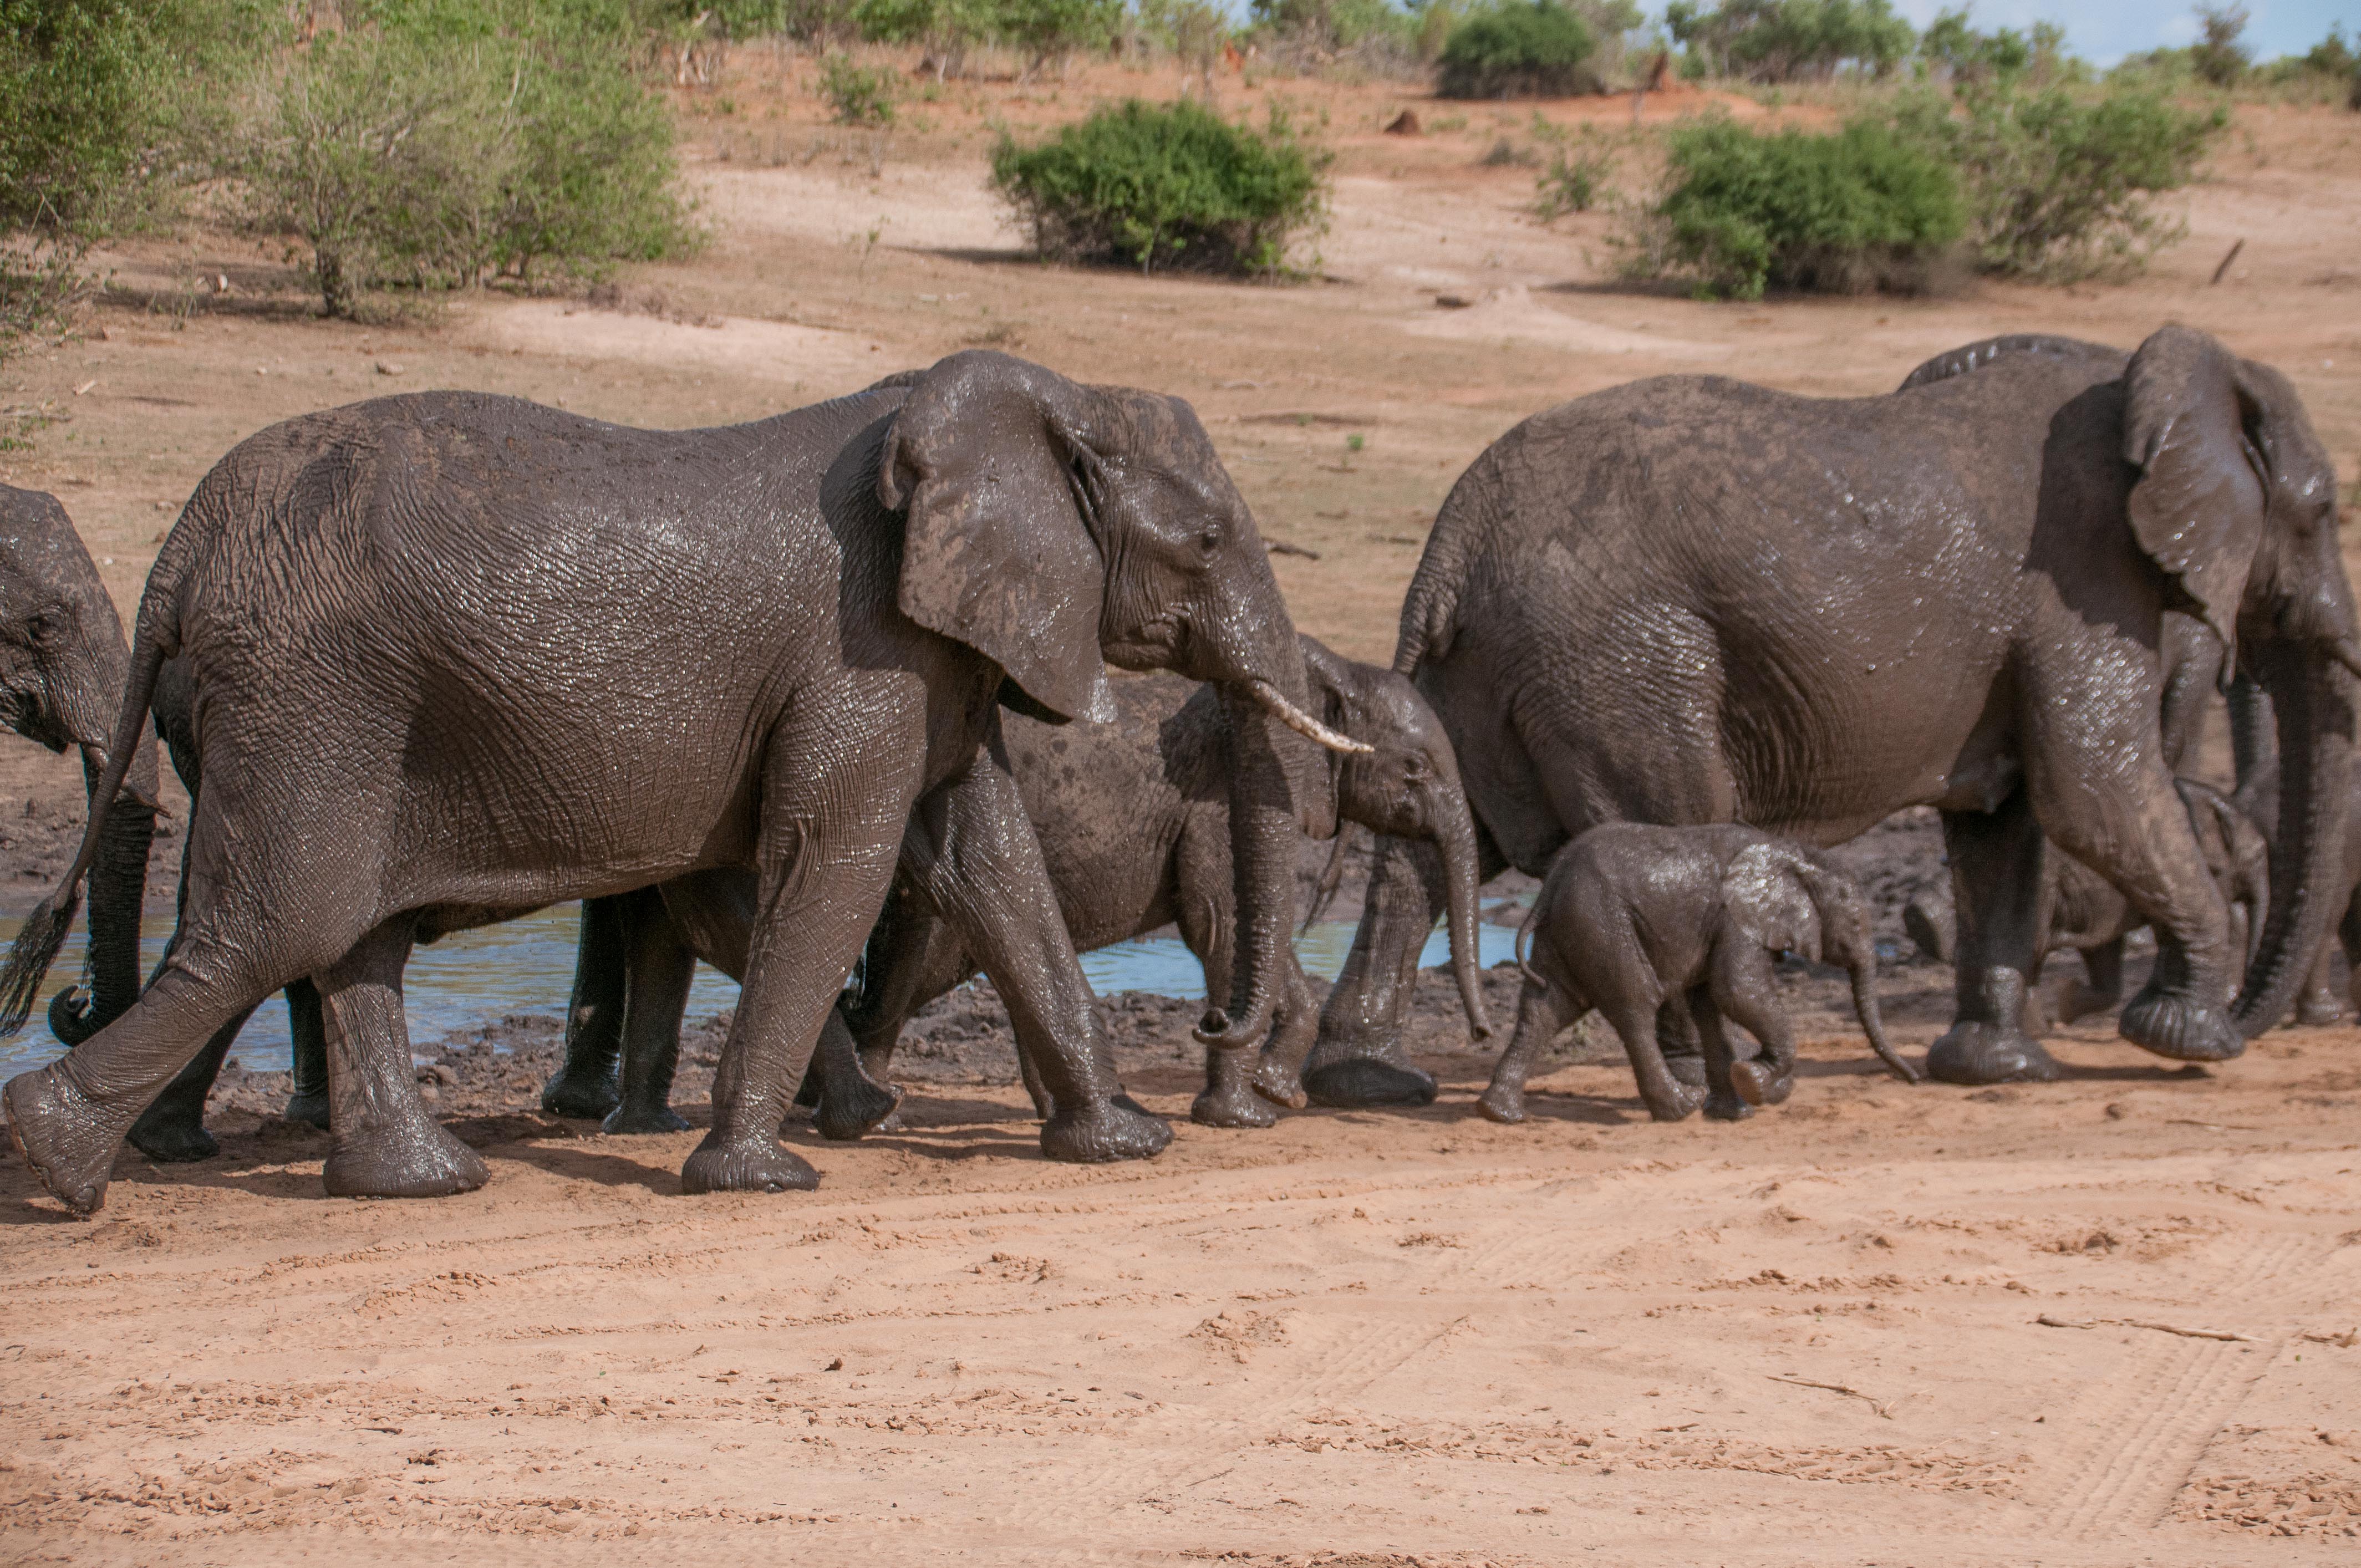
[2103, 1321]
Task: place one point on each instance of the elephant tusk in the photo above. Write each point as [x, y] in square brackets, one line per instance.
[1304, 724]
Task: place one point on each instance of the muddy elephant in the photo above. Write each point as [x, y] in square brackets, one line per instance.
[791, 640]
[1135, 822]
[1633, 919]
[62, 661]
[1691, 600]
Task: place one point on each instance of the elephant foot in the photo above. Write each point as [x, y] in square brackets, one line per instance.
[1686, 1067]
[1972, 1053]
[69, 1015]
[403, 1159]
[848, 1111]
[629, 1121]
[1720, 1107]
[311, 1108]
[1503, 1103]
[2318, 1009]
[173, 1137]
[1686, 1099]
[1758, 1085]
[1277, 1083]
[580, 1096]
[2181, 1029]
[64, 1137]
[761, 1166]
[2076, 1001]
[1099, 1134]
[1229, 1099]
[1359, 1081]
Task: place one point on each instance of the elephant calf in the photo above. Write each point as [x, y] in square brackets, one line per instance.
[2082, 911]
[1635, 920]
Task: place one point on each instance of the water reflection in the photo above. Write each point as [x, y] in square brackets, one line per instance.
[527, 967]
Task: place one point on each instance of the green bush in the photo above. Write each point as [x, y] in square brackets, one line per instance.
[435, 141]
[1857, 210]
[2058, 184]
[1050, 30]
[1575, 182]
[857, 94]
[1792, 41]
[1517, 49]
[1173, 186]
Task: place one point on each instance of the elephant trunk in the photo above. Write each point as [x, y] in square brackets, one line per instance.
[1864, 970]
[1455, 836]
[1265, 835]
[2310, 698]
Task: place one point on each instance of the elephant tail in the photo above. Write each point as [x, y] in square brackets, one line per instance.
[51, 921]
[1524, 939]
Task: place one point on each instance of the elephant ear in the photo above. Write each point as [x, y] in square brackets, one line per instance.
[1769, 902]
[994, 458]
[2197, 506]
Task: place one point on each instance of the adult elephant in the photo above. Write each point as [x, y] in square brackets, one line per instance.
[1137, 823]
[62, 659]
[791, 639]
[1691, 600]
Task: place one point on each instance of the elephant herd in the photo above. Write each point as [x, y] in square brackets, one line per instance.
[824, 700]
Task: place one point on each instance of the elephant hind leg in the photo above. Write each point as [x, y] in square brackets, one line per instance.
[384, 1142]
[583, 1084]
[661, 969]
[1542, 1010]
[1997, 884]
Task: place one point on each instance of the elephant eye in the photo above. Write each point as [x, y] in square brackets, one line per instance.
[1210, 541]
[42, 629]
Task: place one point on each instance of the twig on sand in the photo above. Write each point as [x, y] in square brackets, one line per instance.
[2345, 1340]
[2219, 272]
[2047, 1321]
[1880, 1406]
[1281, 547]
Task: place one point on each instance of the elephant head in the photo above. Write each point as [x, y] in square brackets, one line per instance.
[62, 664]
[1407, 786]
[1788, 899]
[1052, 526]
[2234, 498]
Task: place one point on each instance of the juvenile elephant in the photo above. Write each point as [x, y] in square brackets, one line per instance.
[1632, 919]
[1136, 826]
[402, 618]
[1691, 600]
[62, 659]
[2082, 913]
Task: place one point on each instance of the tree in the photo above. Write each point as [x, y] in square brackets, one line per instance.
[2218, 55]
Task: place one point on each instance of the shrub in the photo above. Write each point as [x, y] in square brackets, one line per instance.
[1857, 210]
[2058, 184]
[450, 137]
[1517, 49]
[2217, 56]
[1575, 182]
[857, 94]
[1792, 41]
[1050, 30]
[1174, 187]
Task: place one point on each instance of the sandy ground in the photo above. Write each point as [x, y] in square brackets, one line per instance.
[1356, 1339]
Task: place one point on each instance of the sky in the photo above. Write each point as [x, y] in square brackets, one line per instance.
[2103, 31]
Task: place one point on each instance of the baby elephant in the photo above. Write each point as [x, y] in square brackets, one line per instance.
[1633, 920]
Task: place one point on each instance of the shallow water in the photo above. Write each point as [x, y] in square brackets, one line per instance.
[527, 967]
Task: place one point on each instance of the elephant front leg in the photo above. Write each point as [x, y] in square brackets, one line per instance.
[1996, 894]
[384, 1142]
[973, 851]
[1359, 1059]
[1723, 1101]
[584, 1085]
[2318, 1006]
[1744, 992]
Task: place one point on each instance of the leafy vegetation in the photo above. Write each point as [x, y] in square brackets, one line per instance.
[1175, 187]
[857, 94]
[444, 140]
[1517, 49]
[1792, 41]
[1859, 210]
[2058, 184]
